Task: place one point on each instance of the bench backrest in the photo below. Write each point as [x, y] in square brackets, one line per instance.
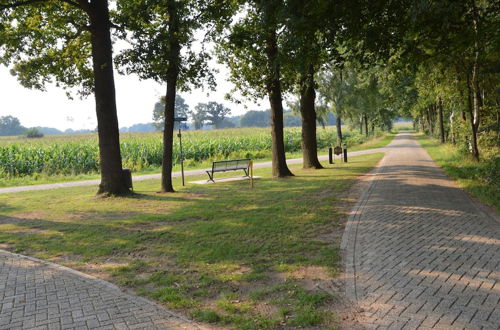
[228, 165]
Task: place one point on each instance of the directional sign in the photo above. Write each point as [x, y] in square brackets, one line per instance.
[180, 119]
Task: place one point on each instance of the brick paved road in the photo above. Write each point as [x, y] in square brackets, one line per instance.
[419, 252]
[39, 295]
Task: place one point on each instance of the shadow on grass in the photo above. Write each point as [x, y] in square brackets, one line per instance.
[213, 239]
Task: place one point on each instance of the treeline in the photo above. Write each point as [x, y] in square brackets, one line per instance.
[445, 72]
[363, 60]
[216, 115]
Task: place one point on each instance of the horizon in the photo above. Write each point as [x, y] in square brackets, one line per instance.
[52, 108]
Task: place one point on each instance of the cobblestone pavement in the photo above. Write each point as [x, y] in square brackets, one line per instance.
[40, 295]
[419, 252]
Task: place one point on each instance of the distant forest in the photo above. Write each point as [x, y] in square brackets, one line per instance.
[252, 118]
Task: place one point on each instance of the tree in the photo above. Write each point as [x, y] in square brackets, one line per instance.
[33, 133]
[199, 116]
[306, 42]
[181, 110]
[10, 125]
[215, 113]
[53, 40]
[161, 35]
[462, 38]
[254, 118]
[336, 86]
[290, 120]
[251, 48]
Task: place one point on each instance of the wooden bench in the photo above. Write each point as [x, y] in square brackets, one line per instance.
[229, 165]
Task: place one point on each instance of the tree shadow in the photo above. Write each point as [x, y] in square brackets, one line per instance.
[424, 250]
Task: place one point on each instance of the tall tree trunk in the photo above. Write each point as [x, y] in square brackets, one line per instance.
[441, 120]
[452, 127]
[472, 121]
[339, 130]
[308, 113]
[172, 76]
[279, 166]
[365, 117]
[361, 125]
[429, 121]
[112, 180]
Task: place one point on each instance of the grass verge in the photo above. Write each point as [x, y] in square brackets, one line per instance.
[221, 253]
[480, 179]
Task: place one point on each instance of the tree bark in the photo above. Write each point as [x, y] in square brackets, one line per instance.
[478, 100]
[452, 127]
[339, 130]
[472, 121]
[441, 120]
[308, 113]
[273, 85]
[172, 76]
[429, 121]
[365, 117]
[112, 180]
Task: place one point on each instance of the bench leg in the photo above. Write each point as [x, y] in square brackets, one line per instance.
[211, 176]
[246, 171]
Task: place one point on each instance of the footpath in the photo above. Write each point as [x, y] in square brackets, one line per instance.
[419, 252]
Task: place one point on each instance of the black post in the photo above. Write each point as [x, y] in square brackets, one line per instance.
[182, 156]
[345, 153]
[330, 155]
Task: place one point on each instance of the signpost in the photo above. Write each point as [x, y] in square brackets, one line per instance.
[179, 120]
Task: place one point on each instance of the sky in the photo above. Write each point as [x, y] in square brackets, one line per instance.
[135, 102]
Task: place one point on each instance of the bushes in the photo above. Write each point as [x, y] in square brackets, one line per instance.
[33, 133]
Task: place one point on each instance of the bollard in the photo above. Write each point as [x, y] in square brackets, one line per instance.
[345, 154]
[330, 155]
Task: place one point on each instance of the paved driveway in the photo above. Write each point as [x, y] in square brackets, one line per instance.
[419, 252]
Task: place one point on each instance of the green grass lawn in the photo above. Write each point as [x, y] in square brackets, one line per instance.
[480, 179]
[221, 253]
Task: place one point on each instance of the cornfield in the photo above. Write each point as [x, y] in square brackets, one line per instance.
[79, 154]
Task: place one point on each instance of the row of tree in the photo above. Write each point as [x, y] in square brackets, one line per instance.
[11, 126]
[272, 47]
[451, 73]
[216, 115]
[211, 113]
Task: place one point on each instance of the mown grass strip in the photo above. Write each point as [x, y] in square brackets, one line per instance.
[480, 179]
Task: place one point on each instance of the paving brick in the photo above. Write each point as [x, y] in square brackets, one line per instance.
[38, 295]
[420, 249]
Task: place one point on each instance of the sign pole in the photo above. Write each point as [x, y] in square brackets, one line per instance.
[182, 156]
[251, 173]
[180, 120]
